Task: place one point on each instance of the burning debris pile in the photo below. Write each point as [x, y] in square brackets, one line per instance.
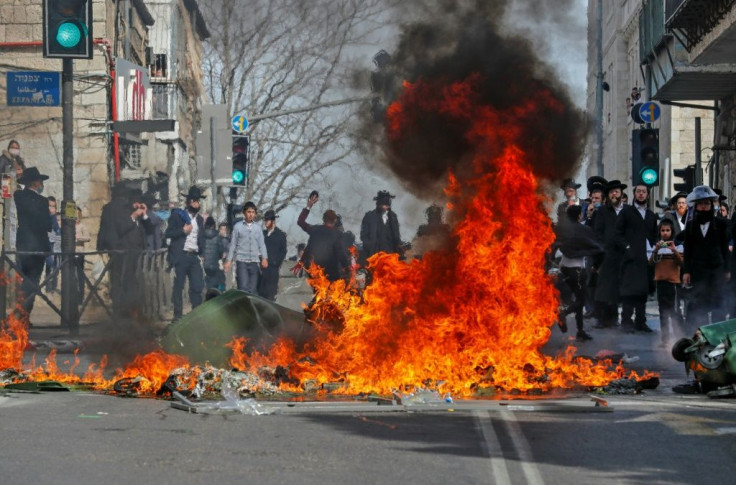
[478, 113]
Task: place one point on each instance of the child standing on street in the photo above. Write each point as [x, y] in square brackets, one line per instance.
[214, 252]
[667, 260]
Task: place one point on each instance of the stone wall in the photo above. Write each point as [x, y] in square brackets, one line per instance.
[39, 129]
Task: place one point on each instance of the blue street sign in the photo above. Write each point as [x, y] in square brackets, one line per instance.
[240, 124]
[649, 112]
[33, 88]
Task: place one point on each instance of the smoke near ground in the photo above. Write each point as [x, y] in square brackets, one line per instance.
[454, 40]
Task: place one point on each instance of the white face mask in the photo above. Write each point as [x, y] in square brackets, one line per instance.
[14, 151]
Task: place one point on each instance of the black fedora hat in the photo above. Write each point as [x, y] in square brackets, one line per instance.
[678, 195]
[30, 174]
[384, 195]
[615, 184]
[149, 199]
[269, 215]
[195, 193]
[596, 182]
[569, 183]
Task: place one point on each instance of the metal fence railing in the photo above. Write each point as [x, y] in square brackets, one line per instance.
[112, 277]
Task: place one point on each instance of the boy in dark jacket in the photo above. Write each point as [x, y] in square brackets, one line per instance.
[214, 251]
[576, 242]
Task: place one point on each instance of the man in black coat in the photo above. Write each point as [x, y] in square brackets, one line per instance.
[677, 213]
[34, 224]
[570, 188]
[706, 260]
[636, 231]
[379, 230]
[186, 232]
[325, 246]
[275, 238]
[608, 270]
[123, 225]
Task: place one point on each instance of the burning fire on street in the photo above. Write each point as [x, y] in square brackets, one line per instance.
[464, 319]
[479, 115]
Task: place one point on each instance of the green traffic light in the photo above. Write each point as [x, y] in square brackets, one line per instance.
[238, 176]
[69, 35]
[649, 176]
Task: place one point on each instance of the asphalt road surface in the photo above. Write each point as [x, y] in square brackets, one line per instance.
[85, 438]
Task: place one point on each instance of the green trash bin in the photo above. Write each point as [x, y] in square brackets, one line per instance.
[202, 334]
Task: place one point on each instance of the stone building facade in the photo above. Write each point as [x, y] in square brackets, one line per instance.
[627, 78]
[122, 30]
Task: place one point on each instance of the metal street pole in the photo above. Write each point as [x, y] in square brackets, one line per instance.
[69, 308]
[599, 89]
[698, 161]
[213, 166]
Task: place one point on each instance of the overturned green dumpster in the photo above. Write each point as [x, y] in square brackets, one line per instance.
[202, 334]
[711, 355]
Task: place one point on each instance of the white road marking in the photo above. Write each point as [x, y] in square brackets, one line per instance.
[499, 471]
[530, 469]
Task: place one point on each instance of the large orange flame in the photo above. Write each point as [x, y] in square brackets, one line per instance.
[473, 315]
[469, 316]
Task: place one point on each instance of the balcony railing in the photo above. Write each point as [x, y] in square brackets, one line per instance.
[670, 7]
[691, 20]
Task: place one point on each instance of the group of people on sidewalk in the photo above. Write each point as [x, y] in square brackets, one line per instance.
[614, 254]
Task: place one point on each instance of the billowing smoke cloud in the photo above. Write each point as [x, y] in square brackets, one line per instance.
[459, 39]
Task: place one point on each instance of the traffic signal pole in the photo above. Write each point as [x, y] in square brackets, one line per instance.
[213, 167]
[69, 308]
[698, 160]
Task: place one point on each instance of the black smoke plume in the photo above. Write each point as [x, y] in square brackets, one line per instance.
[469, 38]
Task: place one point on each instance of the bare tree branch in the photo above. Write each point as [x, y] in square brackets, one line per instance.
[278, 55]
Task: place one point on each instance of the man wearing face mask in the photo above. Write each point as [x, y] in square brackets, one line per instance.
[10, 161]
[706, 259]
[186, 231]
[34, 225]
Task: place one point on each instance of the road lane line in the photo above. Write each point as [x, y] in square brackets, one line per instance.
[495, 454]
[528, 466]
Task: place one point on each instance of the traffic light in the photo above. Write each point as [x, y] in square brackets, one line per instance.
[67, 29]
[645, 157]
[687, 175]
[241, 145]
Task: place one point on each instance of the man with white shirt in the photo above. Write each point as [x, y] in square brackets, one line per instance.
[636, 234]
[248, 250]
[678, 214]
[186, 231]
[706, 260]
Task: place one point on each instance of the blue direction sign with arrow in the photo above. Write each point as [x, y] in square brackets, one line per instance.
[649, 112]
[240, 124]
